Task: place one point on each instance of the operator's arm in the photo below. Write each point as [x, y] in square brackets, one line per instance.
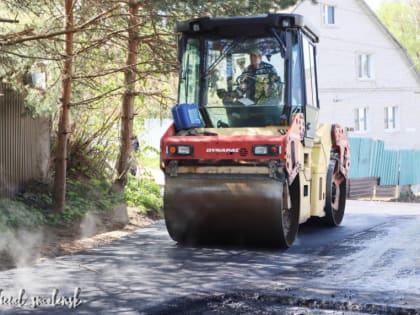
[274, 79]
[246, 83]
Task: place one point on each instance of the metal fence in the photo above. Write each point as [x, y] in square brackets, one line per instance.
[393, 167]
[24, 144]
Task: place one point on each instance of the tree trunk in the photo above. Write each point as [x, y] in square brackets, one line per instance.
[127, 114]
[59, 195]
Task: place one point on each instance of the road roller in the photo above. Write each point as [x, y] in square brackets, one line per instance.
[245, 160]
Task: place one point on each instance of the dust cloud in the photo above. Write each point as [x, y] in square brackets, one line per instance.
[89, 225]
[22, 246]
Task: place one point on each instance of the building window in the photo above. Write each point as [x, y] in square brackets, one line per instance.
[328, 14]
[364, 64]
[391, 117]
[360, 119]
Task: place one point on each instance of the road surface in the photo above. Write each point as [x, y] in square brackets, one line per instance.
[370, 264]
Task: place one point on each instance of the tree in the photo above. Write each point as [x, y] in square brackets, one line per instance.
[127, 115]
[162, 63]
[121, 55]
[403, 20]
[59, 195]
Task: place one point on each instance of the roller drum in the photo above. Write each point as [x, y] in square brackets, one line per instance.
[229, 209]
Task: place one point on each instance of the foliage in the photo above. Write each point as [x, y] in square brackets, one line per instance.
[194, 8]
[20, 60]
[82, 196]
[403, 20]
[91, 155]
[100, 51]
[31, 207]
[143, 193]
[150, 161]
[14, 213]
[408, 196]
[100, 47]
[88, 196]
[40, 103]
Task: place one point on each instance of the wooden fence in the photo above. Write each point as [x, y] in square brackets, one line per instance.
[369, 188]
[24, 144]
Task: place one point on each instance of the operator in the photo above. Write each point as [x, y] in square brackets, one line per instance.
[259, 80]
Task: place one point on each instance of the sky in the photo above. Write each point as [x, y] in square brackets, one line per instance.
[374, 4]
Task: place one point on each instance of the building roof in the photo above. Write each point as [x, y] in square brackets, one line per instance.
[372, 15]
[382, 26]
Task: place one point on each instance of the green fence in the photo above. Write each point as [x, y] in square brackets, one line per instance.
[394, 167]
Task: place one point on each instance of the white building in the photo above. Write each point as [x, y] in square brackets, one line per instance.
[154, 128]
[367, 82]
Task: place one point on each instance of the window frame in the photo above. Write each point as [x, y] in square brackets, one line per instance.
[309, 69]
[391, 119]
[358, 120]
[364, 73]
[191, 71]
[328, 14]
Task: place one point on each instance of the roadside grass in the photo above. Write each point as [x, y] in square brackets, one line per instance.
[408, 196]
[15, 213]
[32, 207]
[144, 193]
[149, 161]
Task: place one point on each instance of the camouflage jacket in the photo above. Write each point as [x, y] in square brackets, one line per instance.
[259, 83]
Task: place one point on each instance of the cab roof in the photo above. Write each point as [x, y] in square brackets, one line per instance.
[245, 25]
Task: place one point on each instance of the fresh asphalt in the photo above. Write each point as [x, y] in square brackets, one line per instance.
[369, 264]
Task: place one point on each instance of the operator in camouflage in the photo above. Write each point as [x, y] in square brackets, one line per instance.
[260, 80]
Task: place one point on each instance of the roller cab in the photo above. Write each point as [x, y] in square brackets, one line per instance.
[245, 160]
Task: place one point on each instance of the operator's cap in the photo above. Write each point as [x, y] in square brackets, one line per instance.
[256, 51]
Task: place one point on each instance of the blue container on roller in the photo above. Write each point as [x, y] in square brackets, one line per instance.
[186, 116]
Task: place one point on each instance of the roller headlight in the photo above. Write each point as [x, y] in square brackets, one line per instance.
[266, 149]
[179, 149]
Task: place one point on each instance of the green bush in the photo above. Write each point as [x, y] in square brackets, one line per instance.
[81, 196]
[14, 213]
[408, 196]
[94, 195]
[144, 193]
[33, 206]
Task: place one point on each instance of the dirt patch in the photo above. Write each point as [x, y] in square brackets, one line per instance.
[37, 244]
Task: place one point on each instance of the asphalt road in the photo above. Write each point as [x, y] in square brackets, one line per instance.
[370, 264]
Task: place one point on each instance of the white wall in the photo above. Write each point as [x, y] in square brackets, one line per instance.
[394, 82]
[154, 129]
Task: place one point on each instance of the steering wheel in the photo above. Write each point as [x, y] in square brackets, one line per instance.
[221, 124]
